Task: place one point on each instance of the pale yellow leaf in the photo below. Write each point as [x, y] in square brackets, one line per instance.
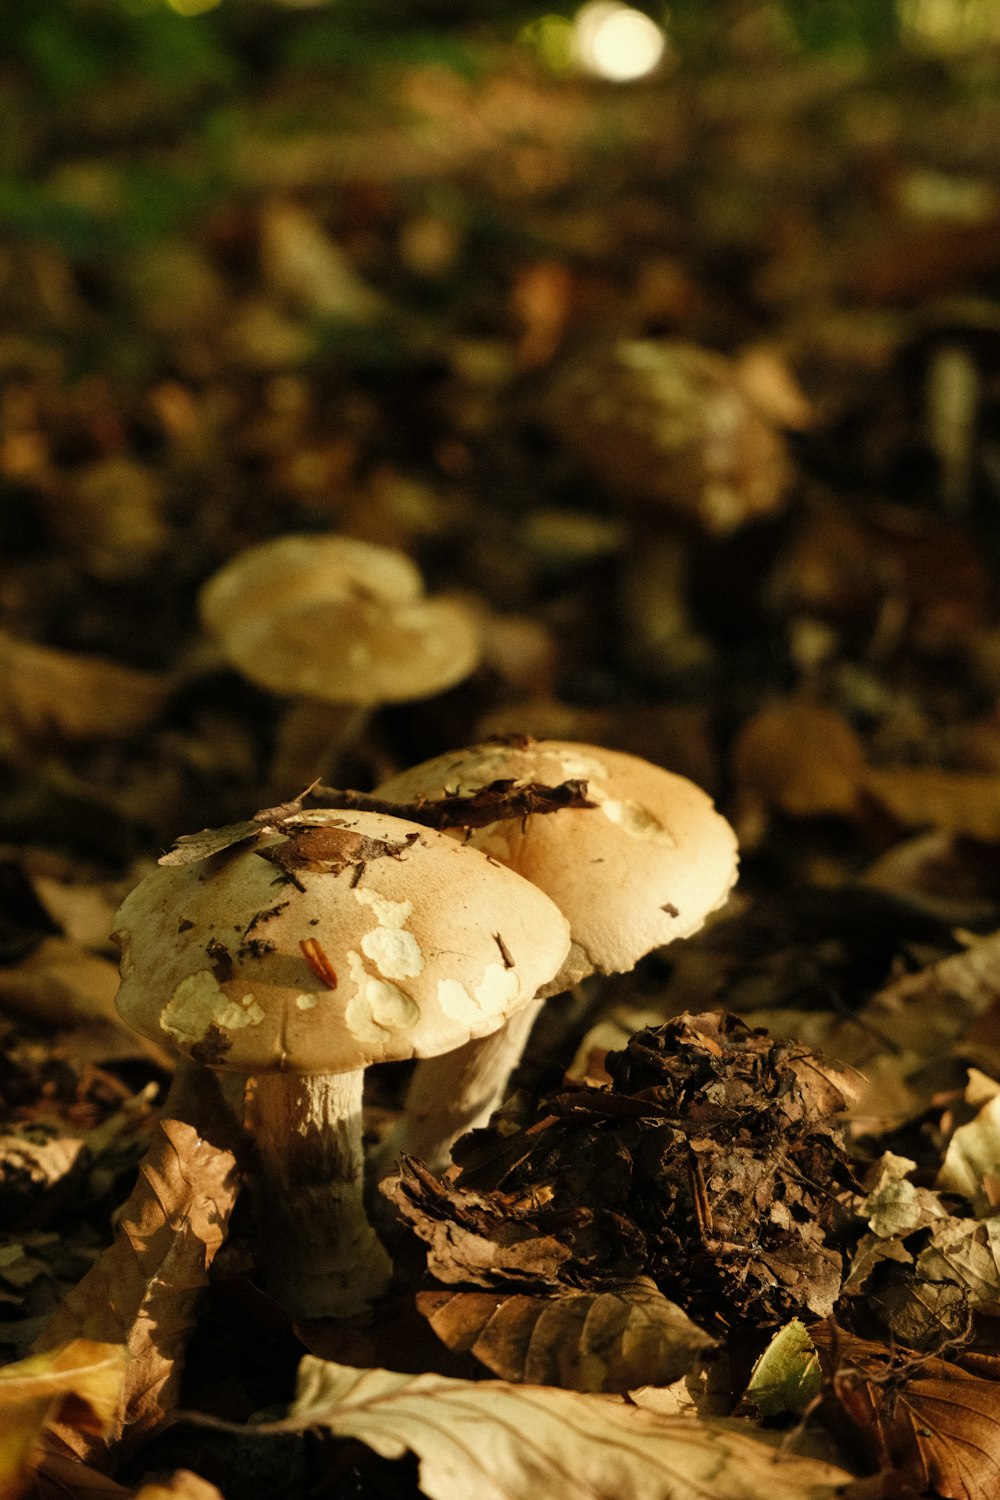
[972, 1161]
[32, 1391]
[505, 1442]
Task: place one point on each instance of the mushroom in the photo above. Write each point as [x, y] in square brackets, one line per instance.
[643, 868]
[340, 625]
[330, 942]
[671, 426]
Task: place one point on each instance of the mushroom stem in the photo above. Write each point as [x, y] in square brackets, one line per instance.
[321, 1257]
[312, 737]
[456, 1092]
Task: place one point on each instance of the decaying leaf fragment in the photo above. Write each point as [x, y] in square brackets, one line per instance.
[507, 1442]
[921, 1270]
[928, 1422]
[582, 1341]
[78, 1382]
[329, 848]
[142, 1290]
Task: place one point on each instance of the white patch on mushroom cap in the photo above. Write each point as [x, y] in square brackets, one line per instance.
[635, 820]
[377, 1007]
[199, 1002]
[579, 767]
[306, 1002]
[497, 989]
[455, 1000]
[394, 951]
[491, 998]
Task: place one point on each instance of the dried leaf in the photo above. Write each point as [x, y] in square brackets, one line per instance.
[192, 847]
[972, 1161]
[800, 757]
[472, 1238]
[583, 1341]
[143, 1289]
[894, 1205]
[329, 848]
[60, 1477]
[39, 1169]
[503, 1442]
[61, 983]
[967, 1252]
[787, 1377]
[929, 1422]
[44, 691]
[304, 265]
[77, 1384]
[183, 1485]
[961, 802]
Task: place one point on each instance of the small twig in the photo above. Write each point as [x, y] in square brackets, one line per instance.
[490, 804]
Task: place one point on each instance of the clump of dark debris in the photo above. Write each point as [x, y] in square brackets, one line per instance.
[712, 1163]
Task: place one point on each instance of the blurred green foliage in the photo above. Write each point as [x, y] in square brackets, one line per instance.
[109, 79]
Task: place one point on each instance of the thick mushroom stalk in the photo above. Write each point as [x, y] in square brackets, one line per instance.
[454, 1093]
[320, 1256]
[643, 866]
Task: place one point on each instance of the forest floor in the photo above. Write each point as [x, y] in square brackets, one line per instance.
[685, 393]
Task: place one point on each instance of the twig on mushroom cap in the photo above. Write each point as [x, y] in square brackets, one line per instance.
[501, 799]
[297, 955]
[646, 867]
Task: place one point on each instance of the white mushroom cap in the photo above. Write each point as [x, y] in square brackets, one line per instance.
[644, 867]
[428, 944]
[339, 620]
[293, 572]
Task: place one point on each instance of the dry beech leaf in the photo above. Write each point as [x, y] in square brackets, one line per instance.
[61, 983]
[582, 1341]
[302, 264]
[79, 1382]
[40, 1171]
[519, 1442]
[894, 1204]
[972, 1161]
[60, 1477]
[44, 691]
[925, 1420]
[143, 1289]
[927, 1012]
[800, 757]
[960, 802]
[183, 1485]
